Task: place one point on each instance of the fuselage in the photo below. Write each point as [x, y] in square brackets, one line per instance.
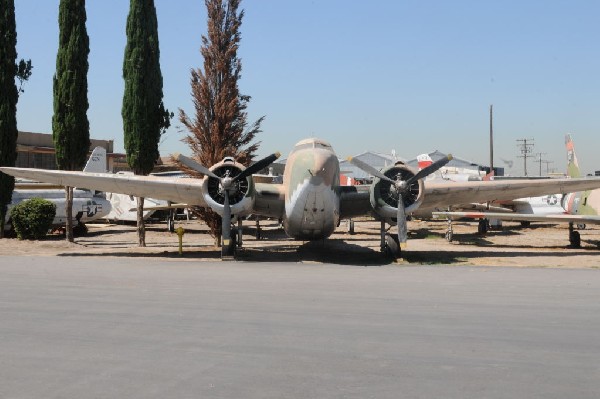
[583, 202]
[311, 181]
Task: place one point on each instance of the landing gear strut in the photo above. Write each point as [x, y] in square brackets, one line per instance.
[449, 232]
[171, 221]
[350, 226]
[258, 232]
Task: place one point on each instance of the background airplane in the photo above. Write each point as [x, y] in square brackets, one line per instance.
[576, 208]
[87, 206]
[310, 201]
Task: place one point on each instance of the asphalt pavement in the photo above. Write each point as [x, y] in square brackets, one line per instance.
[118, 327]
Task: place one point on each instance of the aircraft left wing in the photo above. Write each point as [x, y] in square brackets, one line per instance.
[520, 217]
[186, 191]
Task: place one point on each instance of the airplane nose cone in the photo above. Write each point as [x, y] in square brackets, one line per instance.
[324, 168]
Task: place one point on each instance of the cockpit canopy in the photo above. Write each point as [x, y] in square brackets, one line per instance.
[313, 143]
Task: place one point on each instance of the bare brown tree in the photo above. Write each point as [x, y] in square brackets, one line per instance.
[219, 128]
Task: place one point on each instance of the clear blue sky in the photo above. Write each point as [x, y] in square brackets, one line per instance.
[413, 76]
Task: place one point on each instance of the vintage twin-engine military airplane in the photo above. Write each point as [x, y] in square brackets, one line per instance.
[310, 201]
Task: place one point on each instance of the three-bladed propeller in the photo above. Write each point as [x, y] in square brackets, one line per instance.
[227, 188]
[401, 187]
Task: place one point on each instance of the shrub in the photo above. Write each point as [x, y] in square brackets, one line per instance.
[32, 218]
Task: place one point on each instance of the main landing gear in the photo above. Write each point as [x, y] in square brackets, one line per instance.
[390, 245]
[482, 228]
[229, 249]
[449, 232]
[574, 237]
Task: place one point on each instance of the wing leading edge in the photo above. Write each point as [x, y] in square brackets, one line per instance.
[186, 191]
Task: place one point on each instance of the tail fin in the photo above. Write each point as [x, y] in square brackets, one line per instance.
[97, 161]
[572, 163]
[424, 160]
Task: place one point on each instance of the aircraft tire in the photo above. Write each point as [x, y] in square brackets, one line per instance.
[525, 223]
[80, 230]
[575, 239]
[350, 226]
[392, 246]
[228, 252]
[482, 226]
[170, 225]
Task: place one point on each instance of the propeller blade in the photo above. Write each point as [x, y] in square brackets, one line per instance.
[263, 163]
[401, 222]
[369, 169]
[190, 163]
[226, 222]
[429, 169]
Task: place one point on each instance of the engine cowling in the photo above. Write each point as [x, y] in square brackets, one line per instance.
[241, 198]
[384, 196]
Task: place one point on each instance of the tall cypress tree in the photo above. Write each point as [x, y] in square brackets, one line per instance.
[219, 128]
[8, 103]
[144, 115]
[9, 95]
[70, 125]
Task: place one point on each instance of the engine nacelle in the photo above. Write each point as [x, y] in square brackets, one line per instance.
[384, 197]
[241, 198]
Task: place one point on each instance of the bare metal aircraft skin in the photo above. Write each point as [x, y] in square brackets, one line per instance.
[310, 201]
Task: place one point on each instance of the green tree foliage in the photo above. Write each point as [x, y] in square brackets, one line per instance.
[144, 115]
[9, 95]
[32, 219]
[70, 125]
[219, 127]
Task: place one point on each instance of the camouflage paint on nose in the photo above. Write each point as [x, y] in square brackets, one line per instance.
[326, 167]
[319, 166]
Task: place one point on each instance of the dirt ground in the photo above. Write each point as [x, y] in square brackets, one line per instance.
[541, 245]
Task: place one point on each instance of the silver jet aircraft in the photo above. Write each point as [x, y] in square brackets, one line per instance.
[310, 201]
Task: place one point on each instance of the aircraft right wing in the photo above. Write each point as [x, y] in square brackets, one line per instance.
[442, 195]
[186, 191]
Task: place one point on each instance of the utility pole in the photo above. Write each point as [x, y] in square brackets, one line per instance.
[526, 148]
[547, 163]
[539, 156]
[491, 142]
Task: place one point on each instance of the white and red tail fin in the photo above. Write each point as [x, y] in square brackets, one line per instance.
[572, 163]
[424, 160]
[97, 161]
